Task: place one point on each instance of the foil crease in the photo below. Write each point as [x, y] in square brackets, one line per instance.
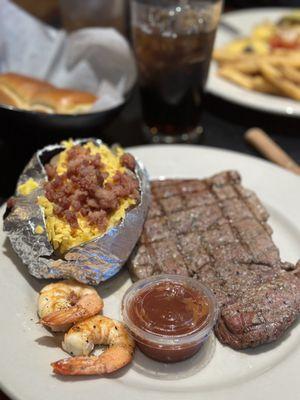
[91, 262]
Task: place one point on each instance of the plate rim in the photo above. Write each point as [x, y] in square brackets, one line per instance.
[220, 150]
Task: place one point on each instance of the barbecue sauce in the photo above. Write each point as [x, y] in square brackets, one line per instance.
[169, 309]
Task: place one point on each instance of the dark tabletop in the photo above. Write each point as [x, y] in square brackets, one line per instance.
[224, 126]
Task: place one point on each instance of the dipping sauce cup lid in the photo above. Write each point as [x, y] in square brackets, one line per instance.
[169, 310]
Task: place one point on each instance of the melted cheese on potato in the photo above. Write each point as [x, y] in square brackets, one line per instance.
[27, 187]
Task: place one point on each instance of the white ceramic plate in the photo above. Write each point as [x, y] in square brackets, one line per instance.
[244, 21]
[268, 372]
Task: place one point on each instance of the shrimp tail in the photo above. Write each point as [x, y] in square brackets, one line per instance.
[73, 366]
[110, 361]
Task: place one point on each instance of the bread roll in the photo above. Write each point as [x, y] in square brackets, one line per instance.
[62, 101]
[17, 90]
[36, 95]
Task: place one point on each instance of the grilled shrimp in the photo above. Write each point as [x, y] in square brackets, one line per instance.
[81, 339]
[64, 303]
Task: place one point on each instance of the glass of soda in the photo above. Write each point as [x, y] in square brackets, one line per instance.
[173, 42]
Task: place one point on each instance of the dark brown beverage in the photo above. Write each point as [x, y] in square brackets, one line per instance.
[173, 42]
[173, 72]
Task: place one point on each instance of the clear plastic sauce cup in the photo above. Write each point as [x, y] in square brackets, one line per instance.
[169, 316]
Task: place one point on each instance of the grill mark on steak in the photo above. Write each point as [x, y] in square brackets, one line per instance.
[216, 231]
[251, 209]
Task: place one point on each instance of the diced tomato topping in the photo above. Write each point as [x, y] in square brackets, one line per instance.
[279, 42]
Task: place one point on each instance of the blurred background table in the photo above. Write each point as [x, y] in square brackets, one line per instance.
[224, 127]
[224, 123]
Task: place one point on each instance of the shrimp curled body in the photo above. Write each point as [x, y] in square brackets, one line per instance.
[64, 303]
[81, 339]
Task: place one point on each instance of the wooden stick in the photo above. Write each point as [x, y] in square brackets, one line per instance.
[265, 145]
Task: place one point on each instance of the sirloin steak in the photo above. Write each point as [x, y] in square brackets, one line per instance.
[216, 231]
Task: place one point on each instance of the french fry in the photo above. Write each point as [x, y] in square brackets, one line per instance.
[276, 78]
[249, 82]
[291, 73]
[249, 66]
[236, 77]
[222, 56]
[262, 85]
[292, 59]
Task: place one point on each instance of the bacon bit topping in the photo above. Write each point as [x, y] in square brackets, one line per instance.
[81, 189]
[128, 161]
[50, 170]
[11, 202]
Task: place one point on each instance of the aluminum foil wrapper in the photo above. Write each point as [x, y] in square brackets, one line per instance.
[91, 262]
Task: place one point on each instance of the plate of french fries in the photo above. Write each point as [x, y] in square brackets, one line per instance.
[256, 60]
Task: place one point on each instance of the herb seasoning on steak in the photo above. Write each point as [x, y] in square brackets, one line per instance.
[216, 231]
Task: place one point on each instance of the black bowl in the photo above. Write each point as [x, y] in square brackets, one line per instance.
[46, 128]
